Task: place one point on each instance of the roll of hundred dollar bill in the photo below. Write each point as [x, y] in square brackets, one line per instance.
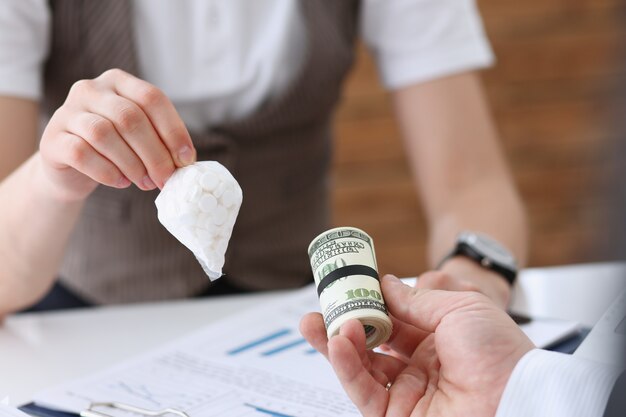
[346, 276]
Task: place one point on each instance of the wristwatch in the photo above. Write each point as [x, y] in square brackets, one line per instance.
[487, 252]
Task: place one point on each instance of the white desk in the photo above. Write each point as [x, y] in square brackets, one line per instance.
[43, 349]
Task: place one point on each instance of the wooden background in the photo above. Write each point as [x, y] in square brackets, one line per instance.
[552, 93]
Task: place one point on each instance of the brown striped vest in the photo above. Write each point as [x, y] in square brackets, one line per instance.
[280, 155]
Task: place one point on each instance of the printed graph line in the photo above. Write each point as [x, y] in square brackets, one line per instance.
[266, 411]
[141, 391]
[283, 347]
[258, 342]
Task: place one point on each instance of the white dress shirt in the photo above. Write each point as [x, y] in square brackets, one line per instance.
[552, 384]
[219, 60]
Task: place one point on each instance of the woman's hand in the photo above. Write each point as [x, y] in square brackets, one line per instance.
[114, 130]
[450, 353]
[464, 274]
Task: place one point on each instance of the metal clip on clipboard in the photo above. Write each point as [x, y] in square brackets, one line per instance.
[90, 412]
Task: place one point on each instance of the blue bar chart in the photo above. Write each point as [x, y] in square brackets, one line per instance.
[274, 343]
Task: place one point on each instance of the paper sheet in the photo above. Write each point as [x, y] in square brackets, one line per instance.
[255, 363]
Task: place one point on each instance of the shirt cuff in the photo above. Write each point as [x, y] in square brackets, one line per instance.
[555, 384]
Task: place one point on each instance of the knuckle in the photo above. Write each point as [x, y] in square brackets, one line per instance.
[128, 118]
[99, 129]
[77, 152]
[151, 96]
[133, 169]
[163, 167]
[113, 73]
[109, 176]
[80, 87]
[178, 135]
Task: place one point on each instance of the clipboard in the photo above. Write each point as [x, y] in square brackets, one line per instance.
[94, 410]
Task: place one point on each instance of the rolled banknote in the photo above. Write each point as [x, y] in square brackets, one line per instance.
[199, 205]
[346, 276]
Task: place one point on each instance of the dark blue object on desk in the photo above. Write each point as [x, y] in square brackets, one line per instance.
[36, 411]
[570, 344]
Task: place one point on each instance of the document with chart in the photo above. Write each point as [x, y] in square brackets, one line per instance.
[255, 364]
[252, 364]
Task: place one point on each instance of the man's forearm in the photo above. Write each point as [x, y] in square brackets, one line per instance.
[35, 228]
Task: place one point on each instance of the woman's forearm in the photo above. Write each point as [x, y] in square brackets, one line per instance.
[35, 225]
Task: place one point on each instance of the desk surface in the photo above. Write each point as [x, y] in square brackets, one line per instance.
[42, 349]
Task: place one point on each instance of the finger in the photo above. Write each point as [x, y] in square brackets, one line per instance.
[388, 365]
[313, 330]
[79, 155]
[368, 394]
[375, 362]
[380, 377]
[387, 350]
[404, 338]
[160, 111]
[423, 308]
[133, 126]
[353, 330]
[103, 137]
[406, 391]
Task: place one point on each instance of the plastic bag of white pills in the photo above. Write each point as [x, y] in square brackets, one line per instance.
[199, 205]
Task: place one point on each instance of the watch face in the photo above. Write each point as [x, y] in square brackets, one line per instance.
[489, 248]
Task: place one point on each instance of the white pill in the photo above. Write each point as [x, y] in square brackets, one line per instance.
[232, 215]
[220, 214]
[194, 194]
[203, 221]
[209, 181]
[207, 203]
[212, 227]
[188, 218]
[219, 190]
[205, 236]
[229, 198]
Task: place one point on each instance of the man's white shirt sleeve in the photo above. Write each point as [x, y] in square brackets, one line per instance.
[550, 384]
[24, 26]
[420, 40]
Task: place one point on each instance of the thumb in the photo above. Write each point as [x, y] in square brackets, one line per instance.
[425, 308]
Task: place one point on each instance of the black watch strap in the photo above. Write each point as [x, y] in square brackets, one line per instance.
[463, 249]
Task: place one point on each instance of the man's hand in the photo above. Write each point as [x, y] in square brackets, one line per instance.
[452, 354]
[113, 130]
